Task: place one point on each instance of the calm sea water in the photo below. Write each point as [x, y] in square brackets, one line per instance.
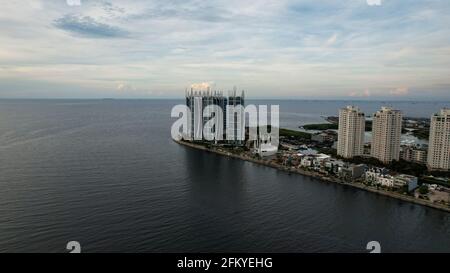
[107, 174]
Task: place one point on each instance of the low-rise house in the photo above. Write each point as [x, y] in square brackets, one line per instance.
[413, 154]
[352, 171]
[386, 181]
[315, 161]
[307, 161]
[322, 157]
[332, 166]
[379, 176]
[326, 136]
[406, 180]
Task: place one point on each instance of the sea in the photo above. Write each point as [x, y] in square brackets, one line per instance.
[107, 174]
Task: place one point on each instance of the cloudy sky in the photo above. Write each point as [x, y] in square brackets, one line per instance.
[361, 49]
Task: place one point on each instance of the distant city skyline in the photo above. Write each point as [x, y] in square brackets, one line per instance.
[311, 49]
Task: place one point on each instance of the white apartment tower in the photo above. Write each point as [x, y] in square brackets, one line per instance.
[352, 126]
[439, 145]
[386, 134]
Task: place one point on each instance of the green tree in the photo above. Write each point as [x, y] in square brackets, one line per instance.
[423, 189]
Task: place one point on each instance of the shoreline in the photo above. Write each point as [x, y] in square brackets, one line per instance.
[319, 176]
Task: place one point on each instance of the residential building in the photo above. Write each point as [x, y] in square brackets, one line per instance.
[351, 132]
[381, 176]
[235, 119]
[378, 176]
[413, 154]
[352, 171]
[406, 180]
[386, 134]
[439, 145]
[198, 100]
[324, 137]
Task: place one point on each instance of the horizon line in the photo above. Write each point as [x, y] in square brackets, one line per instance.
[248, 98]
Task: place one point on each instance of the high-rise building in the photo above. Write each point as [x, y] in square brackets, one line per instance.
[198, 100]
[439, 145]
[386, 134]
[352, 126]
[235, 119]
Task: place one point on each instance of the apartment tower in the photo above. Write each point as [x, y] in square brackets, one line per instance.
[235, 119]
[439, 145]
[351, 132]
[386, 134]
[198, 100]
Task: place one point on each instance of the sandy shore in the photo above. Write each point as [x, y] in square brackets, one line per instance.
[319, 176]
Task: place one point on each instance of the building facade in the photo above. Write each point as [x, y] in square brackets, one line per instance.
[235, 119]
[198, 100]
[386, 134]
[352, 126]
[325, 136]
[381, 177]
[406, 180]
[439, 145]
[413, 154]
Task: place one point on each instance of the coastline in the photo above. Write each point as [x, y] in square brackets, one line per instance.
[318, 176]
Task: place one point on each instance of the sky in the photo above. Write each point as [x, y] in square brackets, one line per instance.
[310, 49]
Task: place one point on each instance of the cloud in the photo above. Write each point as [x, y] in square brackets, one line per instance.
[308, 48]
[125, 87]
[73, 2]
[400, 91]
[331, 40]
[87, 26]
[203, 86]
[360, 94]
[374, 2]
